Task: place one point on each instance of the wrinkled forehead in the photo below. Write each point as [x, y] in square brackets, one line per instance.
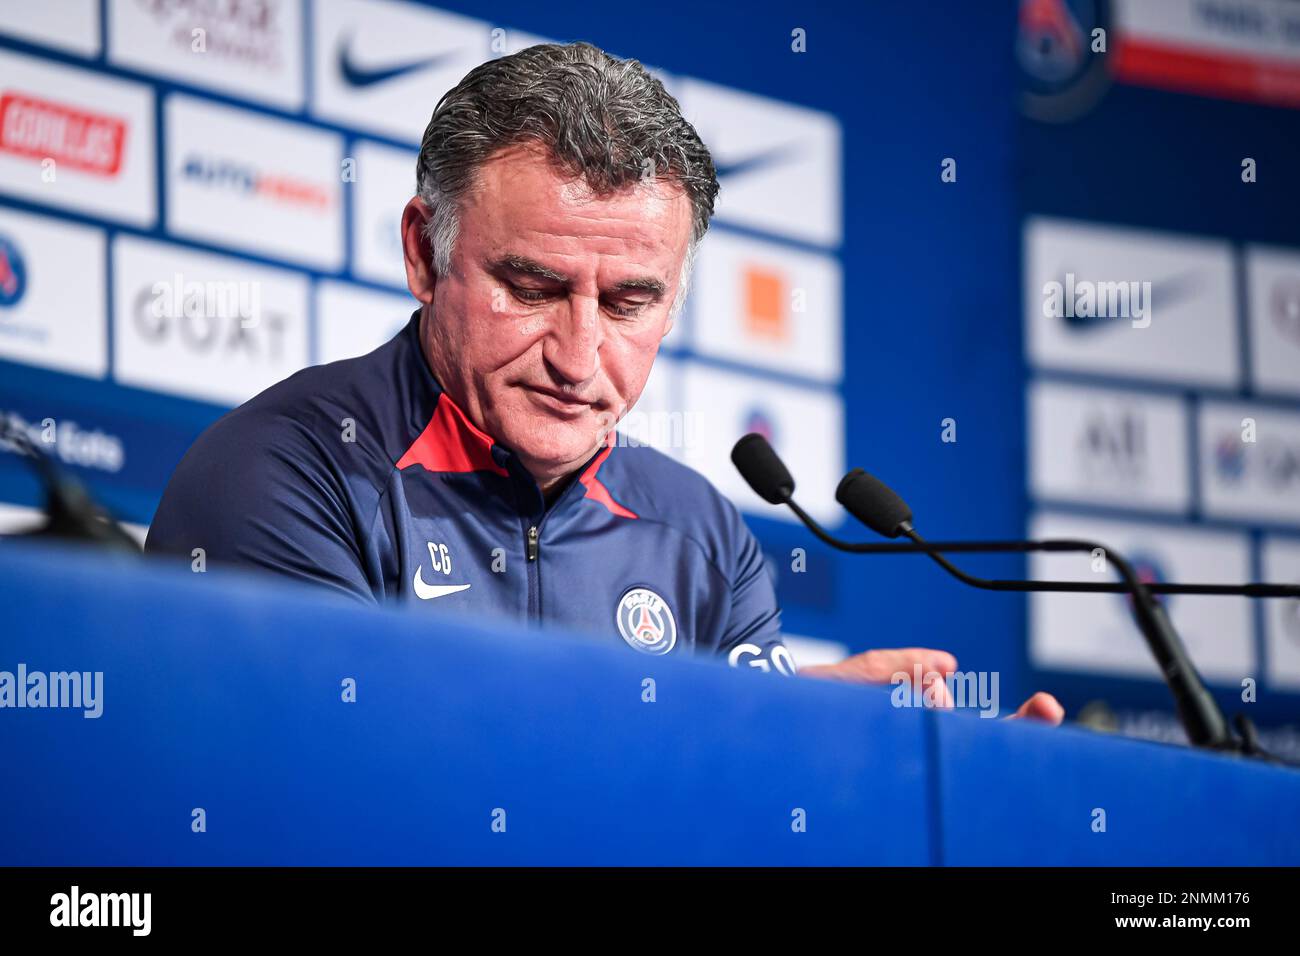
[522, 191]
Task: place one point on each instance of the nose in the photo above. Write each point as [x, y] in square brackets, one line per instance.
[572, 347]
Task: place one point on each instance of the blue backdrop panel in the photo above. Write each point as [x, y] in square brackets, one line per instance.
[1171, 162]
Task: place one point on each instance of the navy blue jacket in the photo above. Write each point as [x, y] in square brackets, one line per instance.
[363, 476]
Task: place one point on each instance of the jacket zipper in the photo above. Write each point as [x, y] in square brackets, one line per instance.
[532, 549]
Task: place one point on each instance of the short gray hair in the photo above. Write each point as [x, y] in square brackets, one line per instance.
[607, 120]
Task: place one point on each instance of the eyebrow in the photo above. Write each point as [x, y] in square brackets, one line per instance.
[644, 284]
[524, 266]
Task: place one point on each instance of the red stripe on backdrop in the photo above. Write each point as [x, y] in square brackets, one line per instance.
[1206, 73]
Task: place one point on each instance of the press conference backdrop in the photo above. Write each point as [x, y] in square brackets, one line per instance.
[197, 199]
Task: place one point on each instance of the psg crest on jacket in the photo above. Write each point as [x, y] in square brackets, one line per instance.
[646, 621]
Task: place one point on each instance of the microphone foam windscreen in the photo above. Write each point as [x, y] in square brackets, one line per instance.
[759, 464]
[873, 502]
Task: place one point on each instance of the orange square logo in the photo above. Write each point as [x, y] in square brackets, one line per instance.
[765, 295]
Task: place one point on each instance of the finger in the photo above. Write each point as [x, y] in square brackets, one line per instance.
[885, 667]
[1042, 706]
[931, 665]
[935, 667]
[876, 667]
[930, 659]
[851, 670]
[826, 671]
[907, 659]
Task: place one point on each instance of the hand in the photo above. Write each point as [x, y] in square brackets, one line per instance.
[1042, 706]
[883, 667]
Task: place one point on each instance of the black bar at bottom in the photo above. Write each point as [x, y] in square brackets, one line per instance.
[439, 905]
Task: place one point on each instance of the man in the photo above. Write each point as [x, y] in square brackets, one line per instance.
[469, 463]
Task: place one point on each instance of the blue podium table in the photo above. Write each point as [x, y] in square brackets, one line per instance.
[469, 743]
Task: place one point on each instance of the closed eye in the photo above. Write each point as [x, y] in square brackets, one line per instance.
[530, 295]
[626, 310]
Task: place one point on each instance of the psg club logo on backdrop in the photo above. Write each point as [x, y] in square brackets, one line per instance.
[13, 273]
[1149, 570]
[761, 422]
[1230, 457]
[646, 621]
[1062, 73]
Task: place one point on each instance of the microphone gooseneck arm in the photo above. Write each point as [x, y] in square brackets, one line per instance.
[936, 550]
[1201, 717]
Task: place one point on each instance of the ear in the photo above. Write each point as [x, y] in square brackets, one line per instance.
[420, 275]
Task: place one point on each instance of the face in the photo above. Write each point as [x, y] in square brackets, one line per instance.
[547, 325]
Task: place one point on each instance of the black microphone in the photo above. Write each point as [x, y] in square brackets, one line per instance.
[881, 509]
[763, 469]
[874, 503]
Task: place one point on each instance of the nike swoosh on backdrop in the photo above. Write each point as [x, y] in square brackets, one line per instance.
[362, 76]
[769, 157]
[427, 592]
[1172, 290]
